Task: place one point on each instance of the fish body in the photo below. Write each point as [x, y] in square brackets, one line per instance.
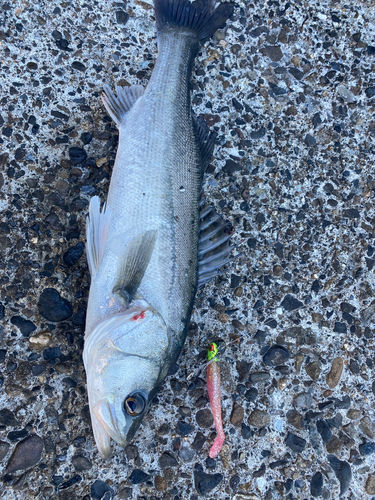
[143, 246]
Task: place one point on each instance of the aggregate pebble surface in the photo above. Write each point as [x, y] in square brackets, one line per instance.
[289, 87]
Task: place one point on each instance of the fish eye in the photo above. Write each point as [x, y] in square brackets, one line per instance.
[134, 404]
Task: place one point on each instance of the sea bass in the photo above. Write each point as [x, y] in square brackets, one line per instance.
[151, 245]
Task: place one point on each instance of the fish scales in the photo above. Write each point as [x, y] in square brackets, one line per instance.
[143, 247]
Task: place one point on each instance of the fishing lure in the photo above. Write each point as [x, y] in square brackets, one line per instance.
[214, 394]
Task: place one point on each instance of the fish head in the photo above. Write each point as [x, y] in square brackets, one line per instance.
[124, 367]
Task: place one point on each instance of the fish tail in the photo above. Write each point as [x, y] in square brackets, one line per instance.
[200, 16]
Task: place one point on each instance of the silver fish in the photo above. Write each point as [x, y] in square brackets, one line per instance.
[151, 245]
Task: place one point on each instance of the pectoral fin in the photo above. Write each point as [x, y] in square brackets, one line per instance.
[133, 265]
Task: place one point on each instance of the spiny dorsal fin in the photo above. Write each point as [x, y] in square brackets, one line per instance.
[133, 265]
[214, 245]
[97, 227]
[206, 140]
[117, 107]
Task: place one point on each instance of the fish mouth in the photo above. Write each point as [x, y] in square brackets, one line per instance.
[107, 426]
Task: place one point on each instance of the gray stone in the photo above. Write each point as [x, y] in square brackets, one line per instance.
[81, 463]
[26, 454]
[259, 418]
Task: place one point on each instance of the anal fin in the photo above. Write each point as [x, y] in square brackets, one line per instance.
[133, 265]
[214, 245]
[117, 107]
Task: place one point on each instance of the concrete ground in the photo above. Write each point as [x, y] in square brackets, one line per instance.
[290, 89]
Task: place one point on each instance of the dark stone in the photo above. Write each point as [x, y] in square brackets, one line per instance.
[86, 138]
[324, 430]
[167, 459]
[37, 370]
[252, 242]
[7, 418]
[235, 281]
[237, 104]
[276, 355]
[370, 92]
[367, 448]
[259, 377]
[199, 441]
[204, 418]
[78, 66]
[273, 52]
[297, 73]
[231, 166]
[69, 483]
[53, 307]
[295, 418]
[51, 353]
[316, 120]
[77, 155]
[340, 327]
[352, 213]
[138, 476]
[204, 483]
[260, 472]
[17, 435]
[3, 353]
[271, 322]
[2, 312]
[316, 485]
[99, 489]
[295, 443]
[342, 471]
[73, 254]
[63, 44]
[246, 431]
[122, 17]
[342, 404]
[4, 447]
[81, 463]
[243, 368]
[290, 303]
[26, 454]
[256, 32]
[260, 336]
[234, 482]
[346, 307]
[251, 394]
[310, 140]
[25, 325]
[79, 318]
[258, 134]
[183, 428]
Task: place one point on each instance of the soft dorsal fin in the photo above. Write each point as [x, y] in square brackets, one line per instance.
[214, 245]
[117, 107]
[97, 227]
[206, 140]
[133, 265]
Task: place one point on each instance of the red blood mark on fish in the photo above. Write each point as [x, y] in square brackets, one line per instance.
[141, 315]
[214, 394]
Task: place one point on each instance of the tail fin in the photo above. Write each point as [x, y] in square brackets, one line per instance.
[200, 16]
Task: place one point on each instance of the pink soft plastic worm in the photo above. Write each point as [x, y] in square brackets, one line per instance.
[214, 393]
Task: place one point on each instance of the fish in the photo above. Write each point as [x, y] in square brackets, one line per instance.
[153, 242]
